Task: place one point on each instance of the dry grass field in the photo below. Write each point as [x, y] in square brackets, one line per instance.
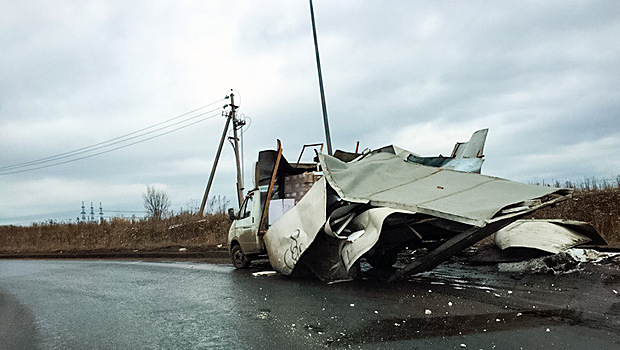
[599, 206]
[185, 230]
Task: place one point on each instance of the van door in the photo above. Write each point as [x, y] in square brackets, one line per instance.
[247, 225]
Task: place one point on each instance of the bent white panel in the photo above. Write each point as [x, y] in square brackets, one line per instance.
[293, 232]
[538, 234]
[371, 221]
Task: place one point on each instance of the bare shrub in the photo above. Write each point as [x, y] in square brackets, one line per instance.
[217, 205]
[156, 202]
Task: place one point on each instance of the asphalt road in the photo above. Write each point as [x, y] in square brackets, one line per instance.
[62, 304]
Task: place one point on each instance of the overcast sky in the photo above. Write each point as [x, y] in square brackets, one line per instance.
[544, 77]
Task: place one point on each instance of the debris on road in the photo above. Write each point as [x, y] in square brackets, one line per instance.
[263, 273]
[565, 262]
[552, 236]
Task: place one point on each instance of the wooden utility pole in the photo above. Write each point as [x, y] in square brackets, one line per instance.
[232, 116]
[217, 158]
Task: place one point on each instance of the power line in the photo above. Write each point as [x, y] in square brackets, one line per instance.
[107, 143]
[112, 149]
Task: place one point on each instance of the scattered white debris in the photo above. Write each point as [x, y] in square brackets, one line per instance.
[497, 320]
[376, 311]
[496, 295]
[449, 303]
[293, 325]
[589, 255]
[519, 314]
[615, 291]
[263, 273]
[547, 330]
[565, 262]
[427, 312]
[219, 245]
[396, 324]
[182, 249]
[509, 292]
[463, 345]
[352, 305]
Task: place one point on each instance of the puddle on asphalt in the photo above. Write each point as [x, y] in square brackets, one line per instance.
[431, 327]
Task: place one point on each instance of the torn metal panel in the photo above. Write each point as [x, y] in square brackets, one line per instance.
[466, 156]
[383, 179]
[474, 148]
[551, 236]
[370, 224]
[288, 238]
[469, 165]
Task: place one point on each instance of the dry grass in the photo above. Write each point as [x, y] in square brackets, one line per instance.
[185, 230]
[598, 206]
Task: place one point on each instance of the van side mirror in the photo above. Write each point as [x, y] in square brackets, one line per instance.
[231, 214]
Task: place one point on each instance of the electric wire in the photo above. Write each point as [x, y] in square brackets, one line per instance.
[101, 145]
[112, 149]
[109, 142]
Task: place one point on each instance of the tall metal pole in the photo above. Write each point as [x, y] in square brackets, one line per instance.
[217, 158]
[328, 138]
[236, 124]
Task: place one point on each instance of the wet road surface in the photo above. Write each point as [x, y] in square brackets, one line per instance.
[189, 305]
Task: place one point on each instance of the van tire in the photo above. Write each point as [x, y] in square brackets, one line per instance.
[239, 260]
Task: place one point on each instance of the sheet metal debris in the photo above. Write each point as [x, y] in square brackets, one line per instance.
[552, 236]
[378, 203]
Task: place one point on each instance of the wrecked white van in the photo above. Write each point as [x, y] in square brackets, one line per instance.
[373, 205]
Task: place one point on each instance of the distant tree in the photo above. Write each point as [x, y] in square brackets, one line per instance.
[156, 202]
[217, 205]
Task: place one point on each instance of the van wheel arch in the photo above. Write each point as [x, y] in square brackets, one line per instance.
[238, 257]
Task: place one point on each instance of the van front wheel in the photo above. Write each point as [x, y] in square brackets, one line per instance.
[239, 260]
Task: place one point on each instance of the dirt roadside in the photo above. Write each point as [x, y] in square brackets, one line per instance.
[212, 255]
